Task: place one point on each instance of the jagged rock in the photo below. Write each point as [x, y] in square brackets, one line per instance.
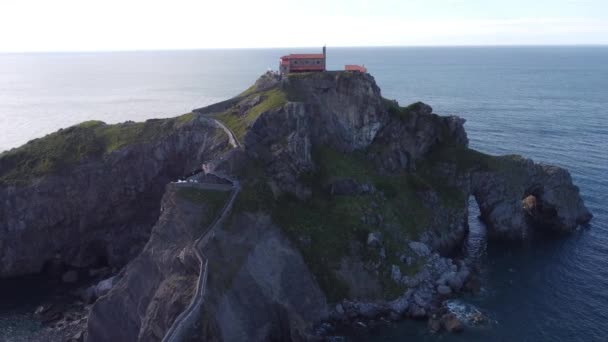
[374, 240]
[395, 273]
[408, 260]
[401, 304]
[104, 287]
[444, 290]
[382, 253]
[406, 140]
[421, 249]
[557, 205]
[368, 310]
[247, 104]
[339, 309]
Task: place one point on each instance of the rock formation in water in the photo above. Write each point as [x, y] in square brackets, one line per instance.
[348, 210]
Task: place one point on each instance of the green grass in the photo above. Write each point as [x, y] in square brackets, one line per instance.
[402, 112]
[325, 227]
[67, 147]
[323, 230]
[239, 124]
[467, 160]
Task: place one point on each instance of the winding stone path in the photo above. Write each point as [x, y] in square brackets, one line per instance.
[190, 316]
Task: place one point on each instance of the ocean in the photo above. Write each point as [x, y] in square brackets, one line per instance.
[547, 103]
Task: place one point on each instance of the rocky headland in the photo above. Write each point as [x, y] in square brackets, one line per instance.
[350, 208]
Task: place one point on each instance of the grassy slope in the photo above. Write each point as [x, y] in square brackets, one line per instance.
[69, 146]
[239, 124]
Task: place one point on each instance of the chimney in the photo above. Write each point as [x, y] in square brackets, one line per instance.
[324, 58]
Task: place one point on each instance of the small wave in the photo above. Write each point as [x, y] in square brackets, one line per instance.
[468, 313]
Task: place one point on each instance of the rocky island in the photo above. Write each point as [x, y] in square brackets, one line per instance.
[307, 202]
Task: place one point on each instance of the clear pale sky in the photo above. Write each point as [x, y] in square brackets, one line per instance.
[95, 25]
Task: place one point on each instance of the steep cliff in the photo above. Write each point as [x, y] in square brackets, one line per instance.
[89, 194]
[157, 285]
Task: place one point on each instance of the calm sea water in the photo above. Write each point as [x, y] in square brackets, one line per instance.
[548, 103]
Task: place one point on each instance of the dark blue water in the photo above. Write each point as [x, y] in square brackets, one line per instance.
[548, 103]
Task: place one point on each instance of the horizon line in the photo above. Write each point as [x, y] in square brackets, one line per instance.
[308, 47]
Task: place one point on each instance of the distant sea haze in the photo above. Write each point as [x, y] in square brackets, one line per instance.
[546, 103]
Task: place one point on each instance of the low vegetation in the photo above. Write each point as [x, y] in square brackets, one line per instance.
[91, 139]
[326, 227]
[467, 160]
[239, 122]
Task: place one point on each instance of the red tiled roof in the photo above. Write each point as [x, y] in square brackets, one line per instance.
[303, 55]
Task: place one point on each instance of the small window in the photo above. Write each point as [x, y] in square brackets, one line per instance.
[295, 62]
[318, 62]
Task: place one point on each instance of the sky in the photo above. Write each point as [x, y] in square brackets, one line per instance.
[110, 25]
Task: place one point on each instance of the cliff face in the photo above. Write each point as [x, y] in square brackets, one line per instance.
[157, 285]
[259, 287]
[517, 197]
[89, 194]
[349, 208]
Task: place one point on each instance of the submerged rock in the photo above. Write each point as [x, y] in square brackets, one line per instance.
[451, 323]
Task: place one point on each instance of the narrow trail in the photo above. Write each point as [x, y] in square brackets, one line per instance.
[188, 318]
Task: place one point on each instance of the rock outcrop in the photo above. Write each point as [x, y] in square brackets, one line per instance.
[268, 292]
[517, 197]
[156, 286]
[99, 209]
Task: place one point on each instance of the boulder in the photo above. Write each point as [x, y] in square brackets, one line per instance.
[419, 248]
[374, 240]
[400, 305]
[395, 273]
[339, 309]
[444, 290]
[104, 286]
